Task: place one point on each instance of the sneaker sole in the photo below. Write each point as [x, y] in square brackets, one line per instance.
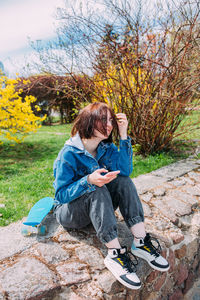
[151, 265]
[133, 287]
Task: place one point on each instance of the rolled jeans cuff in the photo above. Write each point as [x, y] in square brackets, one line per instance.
[132, 221]
[109, 235]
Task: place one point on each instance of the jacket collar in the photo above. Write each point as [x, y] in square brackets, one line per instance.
[75, 141]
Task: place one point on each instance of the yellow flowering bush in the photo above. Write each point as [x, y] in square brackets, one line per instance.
[153, 106]
[16, 116]
[118, 85]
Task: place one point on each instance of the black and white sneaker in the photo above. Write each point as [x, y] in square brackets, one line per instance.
[145, 249]
[121, 266]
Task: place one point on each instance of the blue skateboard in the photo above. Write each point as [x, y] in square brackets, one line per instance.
[37, 213]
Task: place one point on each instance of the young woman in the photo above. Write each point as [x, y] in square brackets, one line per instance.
[92, 180]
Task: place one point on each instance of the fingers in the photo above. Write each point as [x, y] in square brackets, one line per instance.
[101, 170]
[99, 180]
[112, 174]
[121, 117]
[100, 183]
[108, 177]
[122, 123]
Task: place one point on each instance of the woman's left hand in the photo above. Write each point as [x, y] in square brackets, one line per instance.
[122, 125]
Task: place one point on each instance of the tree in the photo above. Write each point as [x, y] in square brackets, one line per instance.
[16, 116]
[142, 61]
[60, 93]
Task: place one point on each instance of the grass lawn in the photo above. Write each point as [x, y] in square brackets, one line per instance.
[27, 169]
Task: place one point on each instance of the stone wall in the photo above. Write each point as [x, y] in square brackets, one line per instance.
[69, 264]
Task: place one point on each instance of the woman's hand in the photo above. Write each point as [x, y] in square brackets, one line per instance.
[97, 179]
[122, 125]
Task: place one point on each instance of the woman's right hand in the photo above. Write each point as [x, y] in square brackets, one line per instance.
[97, 179]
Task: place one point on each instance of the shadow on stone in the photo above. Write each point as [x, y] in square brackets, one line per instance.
[51, 227]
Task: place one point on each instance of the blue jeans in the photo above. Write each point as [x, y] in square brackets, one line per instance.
[98, 207]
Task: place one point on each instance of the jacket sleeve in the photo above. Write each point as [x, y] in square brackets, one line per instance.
[66, 189]
[121, 159]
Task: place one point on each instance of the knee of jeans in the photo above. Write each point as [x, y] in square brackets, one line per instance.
[124, 180]
[102, 194]
[101, 190]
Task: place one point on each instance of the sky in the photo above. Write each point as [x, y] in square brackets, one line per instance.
[21, 20]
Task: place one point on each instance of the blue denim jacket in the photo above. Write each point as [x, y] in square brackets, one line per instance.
[74, 163]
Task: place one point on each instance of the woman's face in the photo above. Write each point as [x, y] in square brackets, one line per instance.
[105, 122]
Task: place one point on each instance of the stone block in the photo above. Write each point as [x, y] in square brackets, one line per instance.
[181, 252]
[119, 296]
[194, 191]
[177, 295]
[167, 287]
[195, 262]
[152, 276]
[146, 197]
[181, 275]
[74, 236]
[183, 197]
[74, 296]
[2, 297]
[27, 278]
[164, 239]
[165, 210]
[91, 256]
[178, 182]
[134, 294]
[185, 222]
[195, 176]
[192, 249]
[168, 185]
[189, 282]
[181, 208]
[63, 294]
[108, 283]
[189, 181]
[12, 241]
[194, 292]
[76, 293]
[195, 224]
[147, 210]
[50, 252]
[192, 244]
[172, 261]
[89, 289]
[176, 169]
[198, 271]
[144, 183]
[177, 237]
[150, 295]
[159, 191]
[160, 223]
[164, 253]
[160, 282]
[73, 272]
[153, 296]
